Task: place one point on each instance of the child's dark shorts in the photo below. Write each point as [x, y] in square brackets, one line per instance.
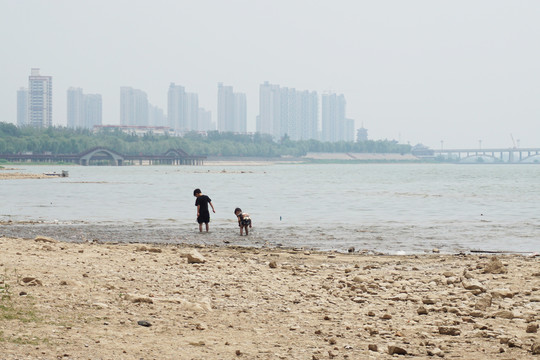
[245, 222]
[203, 218]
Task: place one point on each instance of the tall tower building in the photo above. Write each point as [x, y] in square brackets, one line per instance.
[268, 121]
[75, 108]
[348, 134]
[286, 111]
[232, 110]
[176, 107]
[192, 111]
[333, 117]
[205, 121]
[240, 113]
[133, 107]
[93, 111]
[83, 110]
[156, 116]
[22, 107]
[39, 99]
[308, 116]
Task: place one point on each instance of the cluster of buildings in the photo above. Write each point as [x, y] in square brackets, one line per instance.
[282, 111]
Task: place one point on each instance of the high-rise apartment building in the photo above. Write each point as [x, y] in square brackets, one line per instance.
[348, 134]
[268, 121]
[205, 120]
[156, 116]
[192, 111]
[22, 107]
[240, 113]
[285, 111]
[75, 108]
[176, 107]
[333, 117]
[83, 110]
[232, 110]
[39, 99]
[183, 108]
[133, 107]
[93, 110]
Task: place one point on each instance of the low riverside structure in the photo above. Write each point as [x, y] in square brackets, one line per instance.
[102, 155]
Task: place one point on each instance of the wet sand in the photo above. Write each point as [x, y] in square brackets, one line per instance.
[132, 301]
[4, 175]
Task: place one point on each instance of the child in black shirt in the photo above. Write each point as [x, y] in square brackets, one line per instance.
[203, 215]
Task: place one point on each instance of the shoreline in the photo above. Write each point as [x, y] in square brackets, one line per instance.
[62, 299]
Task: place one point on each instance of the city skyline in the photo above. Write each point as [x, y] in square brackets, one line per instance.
[419, 71]
[283, 111]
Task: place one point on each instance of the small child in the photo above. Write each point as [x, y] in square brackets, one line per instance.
[243, 220]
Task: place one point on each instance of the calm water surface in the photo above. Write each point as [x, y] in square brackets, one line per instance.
[388, 208]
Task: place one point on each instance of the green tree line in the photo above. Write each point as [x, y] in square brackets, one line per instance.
[59, 140]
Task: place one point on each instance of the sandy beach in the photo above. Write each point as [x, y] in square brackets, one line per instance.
[135, 301]
[13, 174]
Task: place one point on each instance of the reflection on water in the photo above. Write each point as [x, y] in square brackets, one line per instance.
[377, 207]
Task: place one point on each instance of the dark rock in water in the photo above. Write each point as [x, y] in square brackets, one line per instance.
[351, 249]
[144, 323]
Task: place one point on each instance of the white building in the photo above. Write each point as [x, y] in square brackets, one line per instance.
[183, 109]
[93, 110]
[133, 107]
[205, 120]
[269, 110]
[22, 107]
[232, 110]
[39, 99]
[286, 111]
[156, 116]
[333, 117]
[75, 108]
[192, 112]
[176, 107]
[83, 110]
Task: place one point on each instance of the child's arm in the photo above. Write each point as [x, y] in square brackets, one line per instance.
[198, 207]
[212, 207]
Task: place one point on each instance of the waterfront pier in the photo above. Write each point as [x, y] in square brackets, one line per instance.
[105, 156]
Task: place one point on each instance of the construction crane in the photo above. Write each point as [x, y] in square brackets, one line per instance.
[513, 141]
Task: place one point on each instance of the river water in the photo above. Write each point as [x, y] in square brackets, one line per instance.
[389, 208]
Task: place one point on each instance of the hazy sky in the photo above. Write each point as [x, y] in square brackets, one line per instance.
[414, 71]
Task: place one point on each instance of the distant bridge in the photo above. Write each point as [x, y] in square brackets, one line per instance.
[506, 155]
[103, 155]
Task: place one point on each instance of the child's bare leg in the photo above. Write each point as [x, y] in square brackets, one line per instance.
[200, 227]
[206, 227]
[247, 231]
[241, 230]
